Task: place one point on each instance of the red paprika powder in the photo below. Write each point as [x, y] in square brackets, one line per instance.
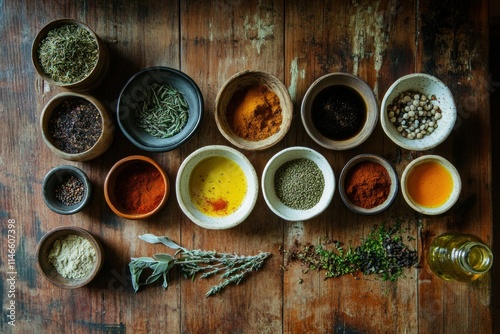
[139, 188]
[367, 184]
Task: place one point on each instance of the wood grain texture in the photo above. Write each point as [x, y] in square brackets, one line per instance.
[297, 41]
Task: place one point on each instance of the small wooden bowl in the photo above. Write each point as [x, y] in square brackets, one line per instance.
[110, 185]
[240, 81]
[49, 271]
[103, 142]
[93, 79]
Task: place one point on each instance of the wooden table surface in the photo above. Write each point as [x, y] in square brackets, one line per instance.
[297, 41]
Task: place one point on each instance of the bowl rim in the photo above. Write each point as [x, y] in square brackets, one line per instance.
[267, 183]
[101, 143]
[114, 172]
[182, 187]
[56, 23]
[342, 79]
[43, 247]
[179, 141]
[392, 174]
[285, 103]
[411, 145]
[50, 178]
[455, 194]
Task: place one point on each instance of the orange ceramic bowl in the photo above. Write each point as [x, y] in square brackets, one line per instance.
[114, 194]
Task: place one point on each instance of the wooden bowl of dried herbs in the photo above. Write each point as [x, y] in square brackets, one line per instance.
[159, 109]
[76, 126]
[69, 257]
[67, 53]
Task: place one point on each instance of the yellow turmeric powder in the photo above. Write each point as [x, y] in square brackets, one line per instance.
[254, 113]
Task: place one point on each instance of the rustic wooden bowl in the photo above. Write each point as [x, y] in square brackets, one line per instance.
[347, 80]
[238, 82]
[103, 142]
[110, 185]
[392, 192]
[94, 78]
[48, 270]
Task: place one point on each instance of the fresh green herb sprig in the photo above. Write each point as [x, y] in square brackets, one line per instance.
[68, 53]
[231, 267]
[164, 111]
[383, 253]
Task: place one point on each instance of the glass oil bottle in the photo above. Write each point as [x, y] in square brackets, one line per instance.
[459, 257]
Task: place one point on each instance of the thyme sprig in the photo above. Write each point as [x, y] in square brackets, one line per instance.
[231, 267]
[383, 253]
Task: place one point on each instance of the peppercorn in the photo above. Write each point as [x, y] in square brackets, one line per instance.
[70, 190]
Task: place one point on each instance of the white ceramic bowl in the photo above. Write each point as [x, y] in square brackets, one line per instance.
[184, 197]
[452, 199]
[350, 81]
[275, 204]
[393, 191]
[428, 85]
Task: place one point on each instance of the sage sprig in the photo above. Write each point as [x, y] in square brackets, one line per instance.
[231, 267]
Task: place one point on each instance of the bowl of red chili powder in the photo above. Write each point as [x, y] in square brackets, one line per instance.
[368, 184]
[136, 187]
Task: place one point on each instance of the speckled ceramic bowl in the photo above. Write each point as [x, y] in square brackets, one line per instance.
[268, 183]
[183, 188]
[430, 86]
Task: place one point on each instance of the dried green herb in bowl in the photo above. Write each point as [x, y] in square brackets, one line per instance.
[68, 53]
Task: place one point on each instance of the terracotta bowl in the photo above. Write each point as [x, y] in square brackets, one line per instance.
[110, 184]
[93, 79]
[237, 83]
[49, 271]
[350, 82]
[103, 142]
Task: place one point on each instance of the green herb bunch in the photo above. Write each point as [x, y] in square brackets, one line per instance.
[231, 267]
[382, 253]
[68, 53]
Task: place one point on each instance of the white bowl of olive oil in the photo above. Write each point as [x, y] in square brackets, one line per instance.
[217, 187]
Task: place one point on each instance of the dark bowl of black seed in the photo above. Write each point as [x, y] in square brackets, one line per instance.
[339, 111]
[66, 189]
[159, 109]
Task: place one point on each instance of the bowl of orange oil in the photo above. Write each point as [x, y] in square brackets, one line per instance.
[217, 187]
[431, 184]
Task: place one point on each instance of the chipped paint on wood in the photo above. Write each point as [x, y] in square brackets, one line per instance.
[295, 75]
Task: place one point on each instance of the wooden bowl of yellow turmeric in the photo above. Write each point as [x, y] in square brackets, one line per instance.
[253, 110]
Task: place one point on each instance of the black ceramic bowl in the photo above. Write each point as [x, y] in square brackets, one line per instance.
[133, 95]
[51, 181]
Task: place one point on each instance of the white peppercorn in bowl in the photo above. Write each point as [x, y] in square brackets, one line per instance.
[271, 193]
[418, 112]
